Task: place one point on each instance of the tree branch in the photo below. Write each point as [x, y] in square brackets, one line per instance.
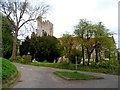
[25, 22]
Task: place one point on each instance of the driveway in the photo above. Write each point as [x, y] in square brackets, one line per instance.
[42, 77]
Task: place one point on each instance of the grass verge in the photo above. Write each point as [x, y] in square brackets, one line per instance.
[9, 73]
[80, 67]
[7, 68]
[9, 82]
[75, 75]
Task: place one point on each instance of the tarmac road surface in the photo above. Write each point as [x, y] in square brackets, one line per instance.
[42, 77]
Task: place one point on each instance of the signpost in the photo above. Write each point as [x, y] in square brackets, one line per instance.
[76, 62]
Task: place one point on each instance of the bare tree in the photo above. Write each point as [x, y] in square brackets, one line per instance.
[20, 13]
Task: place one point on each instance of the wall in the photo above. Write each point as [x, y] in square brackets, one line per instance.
[44, 26]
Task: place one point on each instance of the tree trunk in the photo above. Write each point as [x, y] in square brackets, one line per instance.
[88, 56]
[14, 50]
[100, 58]
[109, 55]
[89, 59]
[118, 57]
[83, 56]
[14, 46]
[96, 57]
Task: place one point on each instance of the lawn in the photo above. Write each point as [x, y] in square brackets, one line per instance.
[75, 75]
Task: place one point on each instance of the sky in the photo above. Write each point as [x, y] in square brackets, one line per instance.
[65, 14]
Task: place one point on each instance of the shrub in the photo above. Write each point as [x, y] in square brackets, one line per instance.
[21, 60]
[27, 58]
[11, 59]
[45, 61]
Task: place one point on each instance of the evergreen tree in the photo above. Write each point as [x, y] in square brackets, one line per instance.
[7, 37]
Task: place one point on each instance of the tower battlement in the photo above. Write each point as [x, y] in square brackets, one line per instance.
[44, 27]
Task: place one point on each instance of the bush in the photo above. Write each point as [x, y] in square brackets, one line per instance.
[27, 58]
[11, 59]
[45, 61]
[21, 60]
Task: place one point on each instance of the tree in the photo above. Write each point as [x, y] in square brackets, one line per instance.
[79, 32]
[25, 47]
[69, 46]
[94, 37]
[46, 49]
[33, 43]
[66, 44]
[15, 12]
[89, 44]
[41, 48]
[7, 37]
[102, 39]
[76, 52]
[118, 56]
[84, 31]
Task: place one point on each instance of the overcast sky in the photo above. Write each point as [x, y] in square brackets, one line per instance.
[65, 14]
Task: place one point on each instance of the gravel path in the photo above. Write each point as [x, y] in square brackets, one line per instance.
[42, 77]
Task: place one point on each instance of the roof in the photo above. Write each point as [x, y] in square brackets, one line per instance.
[91, 40]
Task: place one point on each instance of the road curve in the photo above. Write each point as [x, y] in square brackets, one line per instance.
[42, 77]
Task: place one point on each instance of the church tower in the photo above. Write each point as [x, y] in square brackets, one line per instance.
[44, 27]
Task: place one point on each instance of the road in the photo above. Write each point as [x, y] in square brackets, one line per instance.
[42, 77]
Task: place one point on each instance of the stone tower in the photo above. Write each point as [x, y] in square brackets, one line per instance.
[44, 27]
